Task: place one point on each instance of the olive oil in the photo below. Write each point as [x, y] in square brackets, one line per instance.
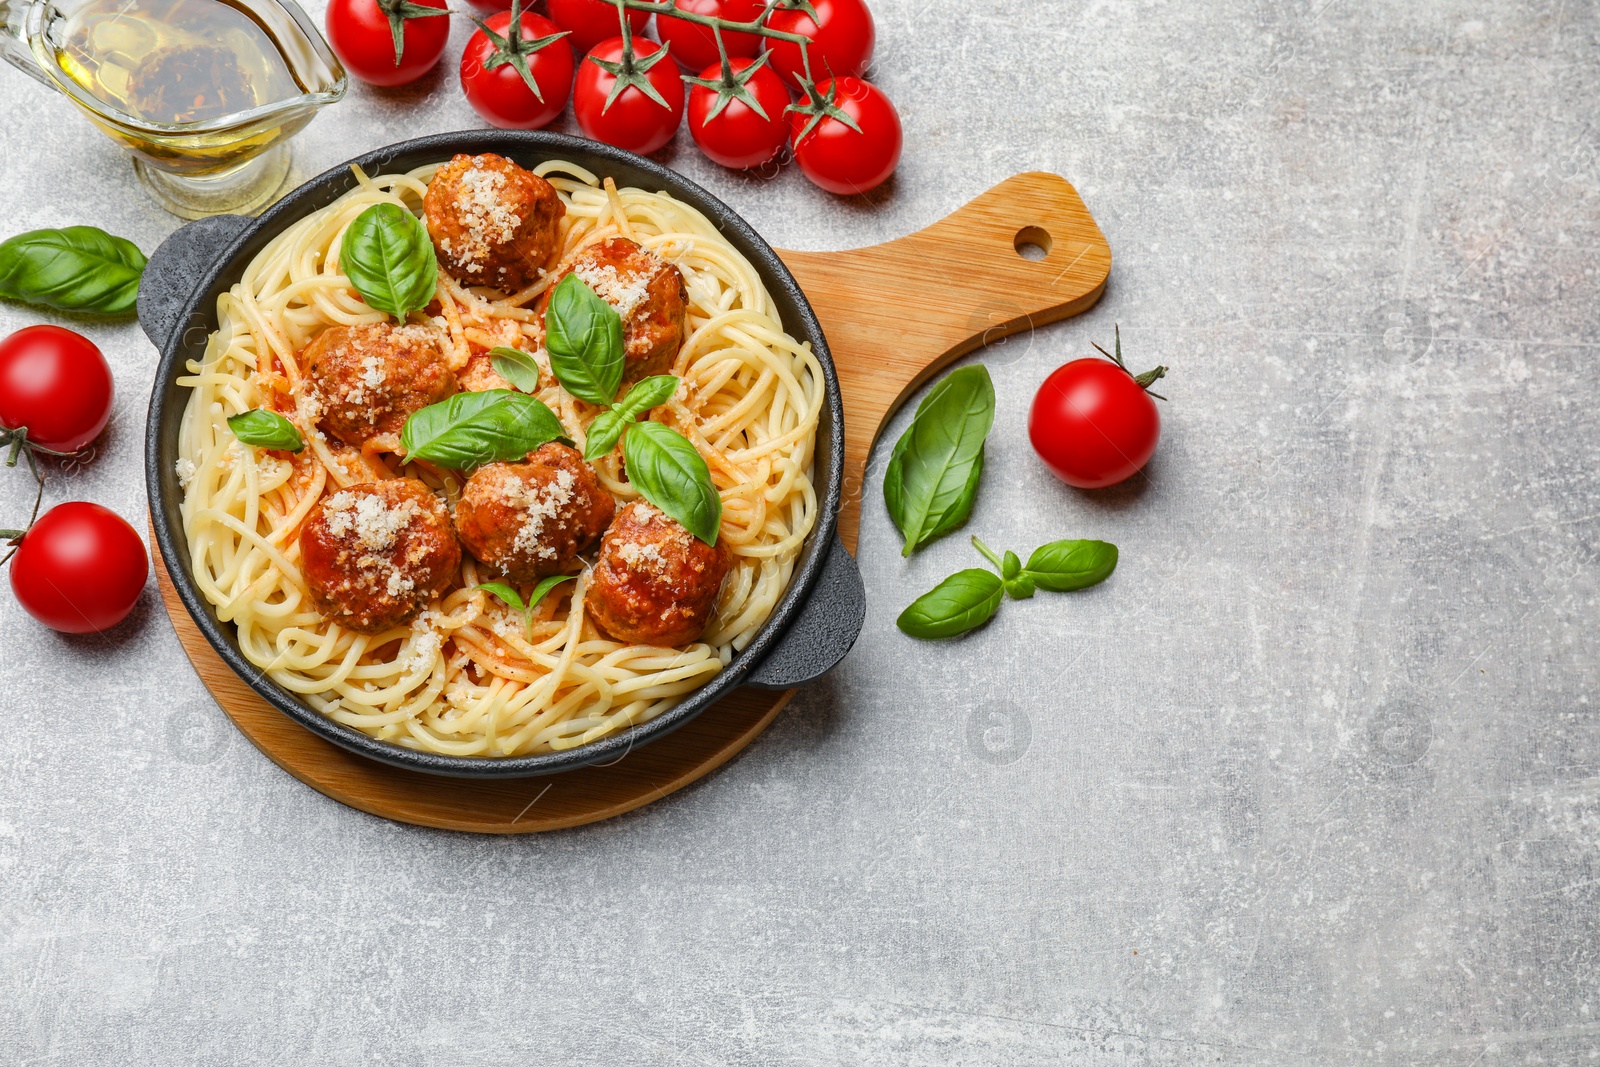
[173, 61]
[205, 94]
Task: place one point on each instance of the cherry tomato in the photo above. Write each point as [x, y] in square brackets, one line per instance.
[500, 95]
[1093, 423]
[695, 46]
[593, 21]
[633, 121]
[79, 569]
[57, 384]
[842, 36]
[737, 136]
[838, 158]
[359, 31]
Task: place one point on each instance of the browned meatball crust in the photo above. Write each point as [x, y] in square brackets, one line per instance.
[650, 296]
[492, 222]
[532, 519]
[655, 583]
[366, 380]
[374, 555]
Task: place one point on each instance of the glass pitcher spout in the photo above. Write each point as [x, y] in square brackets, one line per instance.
[14, 39]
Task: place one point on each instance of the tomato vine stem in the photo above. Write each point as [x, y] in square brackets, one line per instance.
[757, 25]
[1145, 380]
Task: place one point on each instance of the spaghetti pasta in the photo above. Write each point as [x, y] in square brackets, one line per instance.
[470, 677]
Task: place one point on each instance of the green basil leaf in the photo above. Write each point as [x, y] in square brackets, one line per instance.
[647, 394]
[516, 367]
[508, 596]
[934, 470]
[583, 335]
[1010, 566]
[1021, 587]
[669, 472]
[962, 602]
[79, 268]
[266, 429]
[604, 432]
[1063, 566]
[542, 590]
[471, 429]
[388, 257]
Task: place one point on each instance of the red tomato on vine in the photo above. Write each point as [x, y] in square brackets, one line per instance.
[841, 32]
[592, 21]
[78, 569]
[55, 390]
[388, 42]
[630, 101]
[517, 70]
[736, 115]
[847, 139]
[1094, 422]
[695, 46]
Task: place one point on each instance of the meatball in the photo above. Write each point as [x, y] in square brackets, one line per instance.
[655, 583]
[367, 380]
[492, 222]
[649, 294]
[374, 555]
[531, 519]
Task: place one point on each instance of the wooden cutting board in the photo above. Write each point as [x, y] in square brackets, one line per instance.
[1025, 253]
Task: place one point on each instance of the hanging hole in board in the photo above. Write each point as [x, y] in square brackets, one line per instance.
[1032, 242]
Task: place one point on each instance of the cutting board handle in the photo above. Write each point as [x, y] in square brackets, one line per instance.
[895, 313]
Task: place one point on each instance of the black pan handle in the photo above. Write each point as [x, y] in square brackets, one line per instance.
[829, 623]
[175, 269]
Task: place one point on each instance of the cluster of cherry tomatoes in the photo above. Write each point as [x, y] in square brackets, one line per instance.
[746, 101]
[80, 567]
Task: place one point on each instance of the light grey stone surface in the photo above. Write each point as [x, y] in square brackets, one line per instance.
[1314, 779]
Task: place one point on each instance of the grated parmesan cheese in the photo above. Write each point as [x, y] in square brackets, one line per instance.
[186, 471]
[420, 651]
[625, 293]
[375, 524]
[642, 557]
[486, 221]
[539, 504]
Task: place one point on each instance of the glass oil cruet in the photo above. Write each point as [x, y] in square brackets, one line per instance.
[204, 93]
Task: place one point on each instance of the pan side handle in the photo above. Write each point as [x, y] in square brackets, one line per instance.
[176, 267]
[826, 630]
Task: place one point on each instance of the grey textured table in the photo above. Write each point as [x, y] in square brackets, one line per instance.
[1314, 779]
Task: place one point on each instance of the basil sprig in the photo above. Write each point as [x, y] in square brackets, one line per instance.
[583, 335]
[608, 426]
[669, 472]
[513, 600]
[516, 367]
[471, 429]
[79, 268]
[266, 429]
[933, 472]
[389, 259]
[968, 599]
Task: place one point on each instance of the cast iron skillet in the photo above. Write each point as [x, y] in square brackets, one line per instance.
[815, 622]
